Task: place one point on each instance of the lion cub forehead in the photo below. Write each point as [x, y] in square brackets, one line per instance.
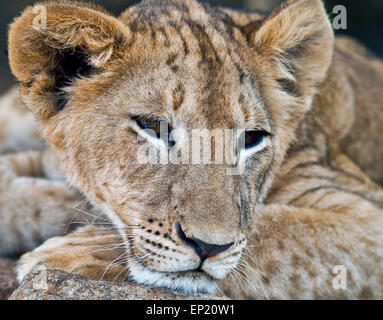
[189, 60]
[158, 11]
[192, 90]
[170, 18]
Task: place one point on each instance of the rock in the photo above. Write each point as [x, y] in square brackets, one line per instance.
[8, 282]
[60, 285]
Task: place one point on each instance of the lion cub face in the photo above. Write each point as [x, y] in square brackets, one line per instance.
[172, 119]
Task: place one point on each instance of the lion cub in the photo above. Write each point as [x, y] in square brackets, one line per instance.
[302, 208]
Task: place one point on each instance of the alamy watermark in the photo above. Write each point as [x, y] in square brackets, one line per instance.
[339, 282]
[339, 22]
[202, 146]
[40, 280]
[40, 20]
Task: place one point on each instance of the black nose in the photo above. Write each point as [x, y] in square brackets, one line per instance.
[203, 249]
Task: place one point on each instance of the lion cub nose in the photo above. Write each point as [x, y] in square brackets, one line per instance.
[203, 249]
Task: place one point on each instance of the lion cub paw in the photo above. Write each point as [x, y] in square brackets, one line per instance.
[94, 252]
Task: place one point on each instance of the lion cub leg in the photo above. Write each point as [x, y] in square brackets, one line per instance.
[95, 252]
[32, 208]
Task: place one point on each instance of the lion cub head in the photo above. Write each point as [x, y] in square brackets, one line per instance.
[104, 89]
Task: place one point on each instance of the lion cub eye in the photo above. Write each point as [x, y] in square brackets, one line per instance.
[154, 125]
[160, 128]
[254, 137]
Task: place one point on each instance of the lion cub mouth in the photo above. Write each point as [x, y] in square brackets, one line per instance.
[167, 258]
[192, 281]
[203, 278]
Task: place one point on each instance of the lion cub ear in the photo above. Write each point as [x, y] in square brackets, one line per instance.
[47, 53]
[297, 40]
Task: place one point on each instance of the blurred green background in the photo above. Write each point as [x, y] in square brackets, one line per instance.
[364, 19]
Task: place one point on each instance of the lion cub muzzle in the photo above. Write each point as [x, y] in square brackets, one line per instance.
[203, 249]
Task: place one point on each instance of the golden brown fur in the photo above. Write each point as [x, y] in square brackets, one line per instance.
[300, 208]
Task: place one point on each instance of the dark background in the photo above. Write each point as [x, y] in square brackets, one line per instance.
[364, 19]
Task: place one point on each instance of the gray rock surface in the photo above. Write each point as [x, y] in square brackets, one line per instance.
[8, 281]
[64, 286]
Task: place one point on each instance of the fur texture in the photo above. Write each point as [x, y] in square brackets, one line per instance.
[300, 208]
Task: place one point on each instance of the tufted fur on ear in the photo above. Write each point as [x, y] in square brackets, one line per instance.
[297, 40]
[77, 41]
